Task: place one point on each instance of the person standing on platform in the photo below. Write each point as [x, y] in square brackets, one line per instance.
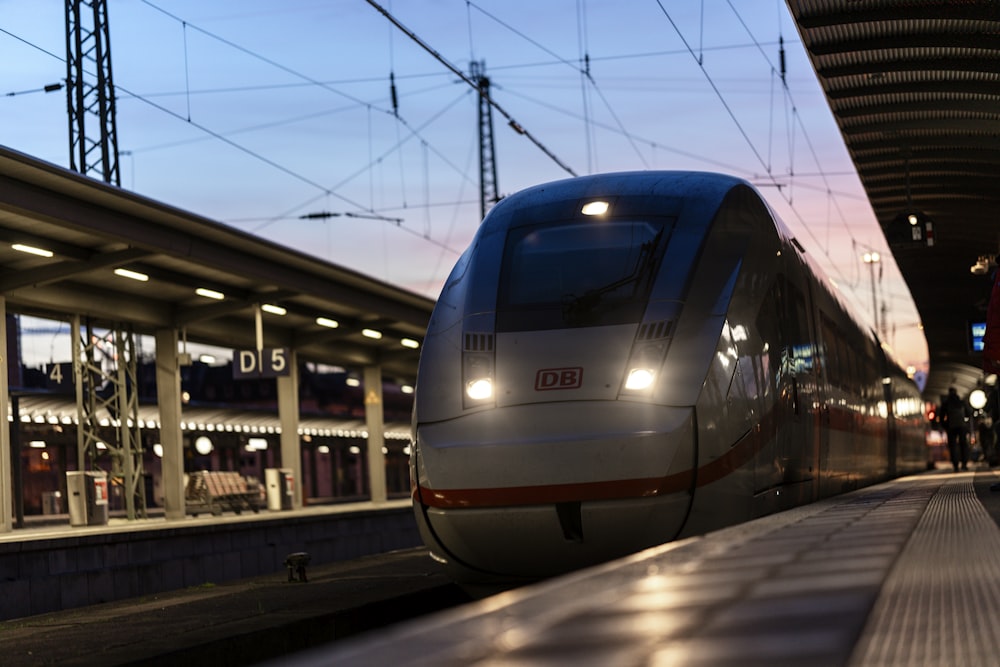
[955, 413]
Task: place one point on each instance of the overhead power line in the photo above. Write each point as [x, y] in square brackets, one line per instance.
[517, 127]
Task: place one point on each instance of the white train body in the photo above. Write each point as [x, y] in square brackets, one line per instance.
[763, 392]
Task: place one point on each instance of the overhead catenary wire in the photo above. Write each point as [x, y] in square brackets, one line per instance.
[325, 190]
[743, 131]
[517, 127]
[586, 59]
[782, 70]
[581, 30]
[586, 77]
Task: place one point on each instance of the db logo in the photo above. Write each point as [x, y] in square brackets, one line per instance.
[558, 378]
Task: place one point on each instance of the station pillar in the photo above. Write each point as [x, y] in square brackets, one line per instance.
[376, 435]
[6, 490]
[288, 418]
[168, 400]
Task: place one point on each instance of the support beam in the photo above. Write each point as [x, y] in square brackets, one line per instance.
[376, 435]
[288, 417]
[6, 492]
[168, 392]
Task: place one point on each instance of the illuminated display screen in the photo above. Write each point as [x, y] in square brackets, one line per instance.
[976, 332]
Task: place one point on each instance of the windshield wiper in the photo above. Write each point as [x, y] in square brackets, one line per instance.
[577, 309]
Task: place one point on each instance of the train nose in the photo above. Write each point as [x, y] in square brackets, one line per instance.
[536, 490]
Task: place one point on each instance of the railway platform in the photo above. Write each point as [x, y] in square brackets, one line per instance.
[902, 573]
[899, 574]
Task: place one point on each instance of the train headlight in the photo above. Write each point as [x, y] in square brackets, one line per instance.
[639, 379]
[479, 390]
[477, 371]
[642, 371]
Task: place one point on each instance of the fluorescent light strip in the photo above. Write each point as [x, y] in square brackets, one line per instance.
[133, 275]
[31, 250]
[327, 322]
[210, 293]
[273, 309]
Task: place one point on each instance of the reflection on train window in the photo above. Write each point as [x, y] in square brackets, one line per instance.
[578, 274]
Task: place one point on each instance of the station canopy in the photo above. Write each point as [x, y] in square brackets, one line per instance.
[915, 87]
[65, 239]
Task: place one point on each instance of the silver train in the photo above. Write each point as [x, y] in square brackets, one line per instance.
[625, 359]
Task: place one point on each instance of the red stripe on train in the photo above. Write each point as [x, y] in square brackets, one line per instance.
[739, 455]
[620, 489]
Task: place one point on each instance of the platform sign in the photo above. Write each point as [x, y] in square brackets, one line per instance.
[59, 378]
[267, 363]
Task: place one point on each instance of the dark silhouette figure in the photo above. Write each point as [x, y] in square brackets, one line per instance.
[955, 414]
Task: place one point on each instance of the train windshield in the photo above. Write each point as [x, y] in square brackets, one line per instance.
[578, 273]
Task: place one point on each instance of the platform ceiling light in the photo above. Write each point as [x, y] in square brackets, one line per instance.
[410, 343]
[203, 446]
[406, 388]
[256, 444]
[37, 444]
[210, 293]
[595, 208]
[133, 275]
[31, 250]
[371, 333]
[273, 309]
[158, 450]
[352, 382]
[327, 322]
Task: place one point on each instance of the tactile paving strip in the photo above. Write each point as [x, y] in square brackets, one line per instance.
[941, 603]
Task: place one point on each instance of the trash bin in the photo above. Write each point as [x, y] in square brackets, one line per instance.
[280, 483]
[88, 498]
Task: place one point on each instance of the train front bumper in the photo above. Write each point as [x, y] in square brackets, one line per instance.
[534, 490]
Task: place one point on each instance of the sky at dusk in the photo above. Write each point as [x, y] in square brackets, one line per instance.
[258, 113]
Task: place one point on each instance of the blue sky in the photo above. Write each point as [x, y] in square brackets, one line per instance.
[255, 113]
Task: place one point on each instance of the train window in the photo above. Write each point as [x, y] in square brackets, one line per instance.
[831, 356]
[578, 273]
